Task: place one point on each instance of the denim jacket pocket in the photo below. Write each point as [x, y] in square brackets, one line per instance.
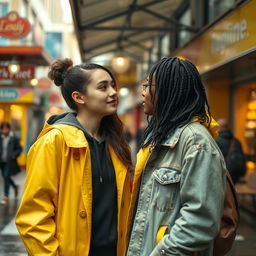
[165, 188]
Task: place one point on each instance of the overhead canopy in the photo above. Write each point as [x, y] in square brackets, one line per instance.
[32, 55]
[122, 25]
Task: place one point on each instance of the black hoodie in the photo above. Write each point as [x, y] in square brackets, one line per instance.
[104, 190]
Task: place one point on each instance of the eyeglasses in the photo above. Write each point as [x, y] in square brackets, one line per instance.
[144, 86]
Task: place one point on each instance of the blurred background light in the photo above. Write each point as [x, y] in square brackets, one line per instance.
[124, 92]
[120, 64]
[14, 68]
[34, 82]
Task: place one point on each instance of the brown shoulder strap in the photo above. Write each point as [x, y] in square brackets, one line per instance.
[232, 188]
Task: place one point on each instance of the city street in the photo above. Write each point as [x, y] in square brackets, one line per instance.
[172, 77]
[11, 244]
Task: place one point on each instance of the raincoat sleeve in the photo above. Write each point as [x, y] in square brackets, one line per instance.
[202, 196]
[35, 216]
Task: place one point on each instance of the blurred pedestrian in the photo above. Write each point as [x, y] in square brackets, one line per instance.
[180, 178]
[232, 151]
[10, 149]
[77, 189]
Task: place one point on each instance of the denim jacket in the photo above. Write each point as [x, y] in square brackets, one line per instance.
[178, 195]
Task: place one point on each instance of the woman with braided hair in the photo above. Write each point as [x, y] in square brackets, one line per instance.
[77, 189]
[180, 178]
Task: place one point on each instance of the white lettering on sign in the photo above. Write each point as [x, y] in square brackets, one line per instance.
[4, 74]
[22, 75]
[25, 73]
[234, 33]
[8, 94]
[16, 28]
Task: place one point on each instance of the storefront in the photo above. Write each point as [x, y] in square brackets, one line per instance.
[17, 107]
[20, 101]
[225, 55]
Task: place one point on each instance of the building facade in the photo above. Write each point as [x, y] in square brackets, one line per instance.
[224, 51]
[32, 35]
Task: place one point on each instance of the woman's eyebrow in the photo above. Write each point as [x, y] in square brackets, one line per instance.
[105, 81]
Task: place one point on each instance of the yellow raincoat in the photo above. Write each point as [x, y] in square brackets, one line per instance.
[55, 214]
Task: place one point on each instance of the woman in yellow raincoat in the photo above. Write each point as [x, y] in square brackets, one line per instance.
[77, 191]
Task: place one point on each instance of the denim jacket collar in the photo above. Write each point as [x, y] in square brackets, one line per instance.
[173, 138]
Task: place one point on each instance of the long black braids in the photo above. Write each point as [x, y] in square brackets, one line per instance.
[179, 97]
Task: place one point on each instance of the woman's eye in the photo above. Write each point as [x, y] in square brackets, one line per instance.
[103, 87]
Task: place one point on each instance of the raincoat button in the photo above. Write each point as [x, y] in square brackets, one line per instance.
[76, 156]
[83, 214]
[162, 252]
[121, 233]
[122, 204]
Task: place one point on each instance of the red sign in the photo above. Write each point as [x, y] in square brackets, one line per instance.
[44, 83]
[13, 26]
[25, 73]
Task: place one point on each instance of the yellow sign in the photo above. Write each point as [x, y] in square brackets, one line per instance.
[231, 38]
[17, 95]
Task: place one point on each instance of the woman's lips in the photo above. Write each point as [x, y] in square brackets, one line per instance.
[112, 102]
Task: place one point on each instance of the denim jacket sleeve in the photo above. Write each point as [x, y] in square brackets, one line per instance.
[202, 198]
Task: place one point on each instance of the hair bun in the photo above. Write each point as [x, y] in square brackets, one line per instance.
[59, 69]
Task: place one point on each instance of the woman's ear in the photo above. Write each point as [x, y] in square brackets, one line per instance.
[77, 97]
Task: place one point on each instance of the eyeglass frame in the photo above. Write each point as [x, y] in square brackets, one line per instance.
[144, 86]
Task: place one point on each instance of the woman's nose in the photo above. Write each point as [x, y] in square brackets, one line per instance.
[143, 93]
[113, 91]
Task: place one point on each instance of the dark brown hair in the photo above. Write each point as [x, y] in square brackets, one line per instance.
[5, 125]
[73, 78]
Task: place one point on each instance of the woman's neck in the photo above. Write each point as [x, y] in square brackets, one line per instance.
[90, 123]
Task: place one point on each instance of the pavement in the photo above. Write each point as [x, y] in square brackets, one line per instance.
[10, 241]
[11, 244]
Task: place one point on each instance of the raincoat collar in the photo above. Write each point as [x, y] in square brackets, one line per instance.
[72, 133]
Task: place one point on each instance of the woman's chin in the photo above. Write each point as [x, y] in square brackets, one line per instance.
[110, 112]
[148, 113]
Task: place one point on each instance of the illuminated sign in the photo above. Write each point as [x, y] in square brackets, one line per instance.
[22, 95]
[13, 26]
[8, 94]
[25, 73]
[232, 37]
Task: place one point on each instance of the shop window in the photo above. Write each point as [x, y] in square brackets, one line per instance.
[4, 112]
[183, 35]
[53, 44]
[218, 7]
[4, 9]
[16, 119]
[1, 115]
[250, 132]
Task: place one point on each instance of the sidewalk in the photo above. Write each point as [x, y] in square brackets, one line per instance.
[11, 244]
[18, 179]
[10, 241]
